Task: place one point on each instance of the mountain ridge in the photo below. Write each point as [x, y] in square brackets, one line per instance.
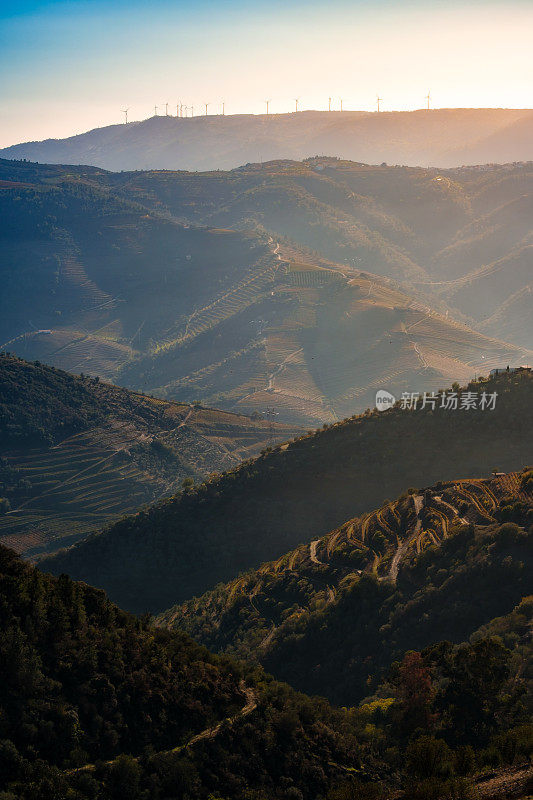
[441, 137]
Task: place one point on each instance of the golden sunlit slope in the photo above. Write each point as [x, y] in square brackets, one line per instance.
[115, 275]
[78, 453]
[329, 338]
[328, 614]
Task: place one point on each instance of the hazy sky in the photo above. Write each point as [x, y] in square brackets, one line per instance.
[66, 67]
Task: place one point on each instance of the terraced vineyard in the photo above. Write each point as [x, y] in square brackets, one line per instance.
[297, 311]
[141, 449]
[260, 613]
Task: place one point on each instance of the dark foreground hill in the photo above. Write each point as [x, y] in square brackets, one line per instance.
[98, 705]
[84, 684]
[443, 137]
[77, 453]
[331, 616]
[297, 493]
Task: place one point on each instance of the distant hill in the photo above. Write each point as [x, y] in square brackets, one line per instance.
[77, 453]
[415, 571]
[297, 493]
[442, 137]
[275, 305]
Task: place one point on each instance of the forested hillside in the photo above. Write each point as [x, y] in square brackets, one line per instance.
[332, 615]
[97, 704]
[77, 453]
[298, 492]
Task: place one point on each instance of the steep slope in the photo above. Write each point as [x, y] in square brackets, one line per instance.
[84, 684]
[78, 453]
[417, 570]
[299, 492]
[445, 137]
[100, 277]
[97, 703]
[91, 279]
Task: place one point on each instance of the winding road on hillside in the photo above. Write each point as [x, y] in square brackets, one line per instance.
[418, 502]
[280, 368]
[209, 733]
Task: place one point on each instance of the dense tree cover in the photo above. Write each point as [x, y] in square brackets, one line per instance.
[293, 494]
[83, 682]
[98, 704]
[38, 403]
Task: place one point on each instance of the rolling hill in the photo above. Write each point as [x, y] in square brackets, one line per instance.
[78, 453]
[442, 137]
[97, 703]
[131, 277]
[341, 608]
[297, 493]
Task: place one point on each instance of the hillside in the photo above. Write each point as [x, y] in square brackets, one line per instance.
[97, 703]
[114, 275]
[78, 452]
[330, 616]
[433, 230]
[297, 493]
[84, 684]
[442, 137]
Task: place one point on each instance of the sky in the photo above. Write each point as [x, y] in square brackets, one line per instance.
[67, 67]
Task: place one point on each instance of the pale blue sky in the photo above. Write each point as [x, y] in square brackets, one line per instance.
[66, 67]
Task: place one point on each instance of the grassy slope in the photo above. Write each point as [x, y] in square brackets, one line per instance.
[78, 453]
[186, 545]
[331, 616]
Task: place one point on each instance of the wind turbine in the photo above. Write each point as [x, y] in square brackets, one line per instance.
[155, 111]
[379, 100]
[166, 109]
[341, 103]
[428, 98]
[125, 112]
[192, 111]
[267, 102]
[329, 103]
[223, 108]
[206, 106]
[296, 103]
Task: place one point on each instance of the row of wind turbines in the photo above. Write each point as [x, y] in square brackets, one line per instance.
[183, 110]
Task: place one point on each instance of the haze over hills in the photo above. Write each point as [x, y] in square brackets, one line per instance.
[300, 491]
[341, 608]
[442, 137]
[77, 452]
[113, 275]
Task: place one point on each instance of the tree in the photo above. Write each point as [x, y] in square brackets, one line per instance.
[414, 692]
